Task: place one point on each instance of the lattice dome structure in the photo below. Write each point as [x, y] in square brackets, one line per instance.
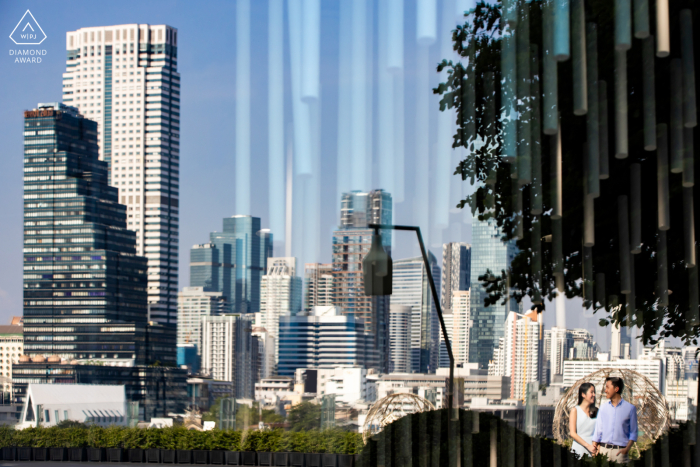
[390, 409]
[652, 411]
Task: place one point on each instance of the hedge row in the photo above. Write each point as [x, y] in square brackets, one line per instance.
[327, 441]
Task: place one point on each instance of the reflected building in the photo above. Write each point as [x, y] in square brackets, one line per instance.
[411, 288]
[233, 262]
[489, 252]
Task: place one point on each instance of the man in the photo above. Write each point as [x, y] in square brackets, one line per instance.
[616, 426]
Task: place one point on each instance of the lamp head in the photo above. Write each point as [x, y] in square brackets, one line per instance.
[377, 269]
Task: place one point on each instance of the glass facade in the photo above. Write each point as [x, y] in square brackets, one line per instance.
[234, 262]
[84, 286]
[411, 288]
[489, 253]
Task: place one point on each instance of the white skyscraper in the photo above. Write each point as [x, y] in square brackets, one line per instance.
[280, 295]
[400, 338]
[125, 78]
[192, 304]
[230, 351]
[461, 324]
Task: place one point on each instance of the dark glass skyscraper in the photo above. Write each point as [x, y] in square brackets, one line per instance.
[489, 252]
[85, 300]
[84, 286]
[233, 262]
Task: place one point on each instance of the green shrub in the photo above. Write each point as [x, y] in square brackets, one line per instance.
[177, 437]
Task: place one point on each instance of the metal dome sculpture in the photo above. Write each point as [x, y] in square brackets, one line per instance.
[652, 411]
[390, 409]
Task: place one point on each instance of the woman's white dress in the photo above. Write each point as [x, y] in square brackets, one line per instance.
[584, 427]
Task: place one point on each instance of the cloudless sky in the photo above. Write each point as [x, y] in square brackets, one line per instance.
[206, 63]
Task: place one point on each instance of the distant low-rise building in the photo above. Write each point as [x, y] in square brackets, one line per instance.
[347, 383]
[575, 370]
[11, 347]
[95, 404]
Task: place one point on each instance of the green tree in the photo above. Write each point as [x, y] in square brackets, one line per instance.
[304, 417]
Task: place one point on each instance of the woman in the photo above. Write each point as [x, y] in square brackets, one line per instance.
[582, 421]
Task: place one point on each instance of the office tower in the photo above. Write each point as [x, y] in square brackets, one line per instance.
[456, 270]
[326, 338]
[70, 209]
[351, 242]
[412, 288]
[318, 286]
[280, 295]
[560, 342]
[125, 78]
[78, 250]
[192, 304]
[583, 345]
[400, 338]
[267, 346]
[229, 351]
[233, 262]
[489, 253]
[518, 355]
[620, 342]
[11, 348]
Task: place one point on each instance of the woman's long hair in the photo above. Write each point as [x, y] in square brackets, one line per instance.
[582, 390]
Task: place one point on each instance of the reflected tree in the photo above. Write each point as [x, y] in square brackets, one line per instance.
[579, 129]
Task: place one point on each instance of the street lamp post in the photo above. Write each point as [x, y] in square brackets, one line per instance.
[377, 272]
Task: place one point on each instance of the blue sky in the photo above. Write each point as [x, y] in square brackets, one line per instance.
[206, 63]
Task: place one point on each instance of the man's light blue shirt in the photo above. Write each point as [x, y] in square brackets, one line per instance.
[616, 424]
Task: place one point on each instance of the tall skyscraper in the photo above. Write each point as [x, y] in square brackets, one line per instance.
[412, 288]
[229, 351]
[280, 296]
[490, 253]
[79, 258]
[456, 270]
[351, 242]
[620, 342]
[125, 78]
[85, 297]
[318, 285]
[233, 262]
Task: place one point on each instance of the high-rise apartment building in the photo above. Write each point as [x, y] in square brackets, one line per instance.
[280, 295]
[351, 242]
[85, 286]
[456, 271]
[326, 338]
[318, 285]
[125, 78]
[519, 354]
[230, 352]
[400, 338]
[233, 262]
[461, 324]
[488, 253]
[192, 304]
[411, 288]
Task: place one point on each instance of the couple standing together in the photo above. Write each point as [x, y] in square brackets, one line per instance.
[610, 430]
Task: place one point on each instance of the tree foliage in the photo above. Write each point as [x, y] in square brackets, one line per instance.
[304, 416]
[473, 90]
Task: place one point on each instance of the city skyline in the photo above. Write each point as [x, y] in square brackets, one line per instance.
[201, 60]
